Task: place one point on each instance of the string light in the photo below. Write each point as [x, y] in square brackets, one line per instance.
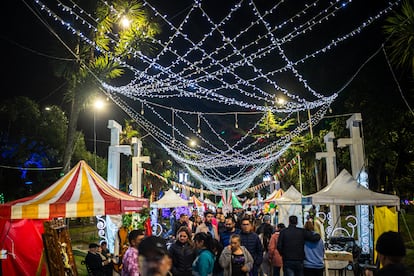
[236, 122]
[234, 73]
[198, 124]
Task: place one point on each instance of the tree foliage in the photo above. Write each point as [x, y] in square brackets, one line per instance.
[30, 137]
[92, 66]
[400, 29]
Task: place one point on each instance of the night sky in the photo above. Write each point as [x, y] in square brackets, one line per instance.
[28, 46]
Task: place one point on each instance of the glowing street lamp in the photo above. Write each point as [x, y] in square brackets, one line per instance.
[125, 22]
[193, 143]
[98, 105]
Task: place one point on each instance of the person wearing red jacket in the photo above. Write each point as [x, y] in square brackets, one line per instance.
[274, 256]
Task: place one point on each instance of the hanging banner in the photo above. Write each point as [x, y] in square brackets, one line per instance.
[226, 196]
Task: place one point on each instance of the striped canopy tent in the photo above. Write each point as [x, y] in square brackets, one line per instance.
[80, 193]
[209, 203]
[251, 202]
[273, 196]
[196, 201]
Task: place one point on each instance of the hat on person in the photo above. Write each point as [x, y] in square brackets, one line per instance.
[152, 246]
[391, 244]
[93, 245]
[266, 218]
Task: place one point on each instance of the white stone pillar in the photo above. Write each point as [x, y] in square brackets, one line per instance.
[331, 172]
[137, 169]
[113, 222]
[356, 150]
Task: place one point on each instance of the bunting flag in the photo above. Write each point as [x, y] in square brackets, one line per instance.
[226, 197]
[176, 184]
[279, 174]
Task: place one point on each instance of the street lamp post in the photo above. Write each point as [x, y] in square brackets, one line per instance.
[98, 105]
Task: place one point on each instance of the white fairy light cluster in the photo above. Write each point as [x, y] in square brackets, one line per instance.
[234, 59]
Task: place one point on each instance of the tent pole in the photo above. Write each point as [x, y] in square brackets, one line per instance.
[406, 225]
[300, 175]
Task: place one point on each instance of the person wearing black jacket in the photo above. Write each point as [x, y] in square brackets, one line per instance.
[391, 251]
[182, 253]
[291, 244]
[180, 223]
[251, 241]
[94, 261]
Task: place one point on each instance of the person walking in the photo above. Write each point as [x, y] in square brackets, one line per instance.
[130, 265]
[204, 263]
[251, 241]
[154, 257]
[313, 265]
[182, 222]
[230, 229]
[291, 246]
[265, 231]
[274, 255]
[182, 253]
[235, 258]
[207, 226]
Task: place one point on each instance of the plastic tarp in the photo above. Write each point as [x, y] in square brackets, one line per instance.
[23, 241]
[170, 200]
[385, 219]
[345, 190]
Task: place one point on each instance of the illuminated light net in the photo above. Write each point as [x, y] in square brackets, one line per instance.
[216, 70]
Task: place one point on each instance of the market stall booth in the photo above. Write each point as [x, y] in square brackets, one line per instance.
[344, 190]
[80, 193]
[170, 200]
[290, 203]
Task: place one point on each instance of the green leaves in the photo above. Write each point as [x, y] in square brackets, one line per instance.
[400, 28]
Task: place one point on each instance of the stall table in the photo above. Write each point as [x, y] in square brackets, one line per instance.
[337, 261]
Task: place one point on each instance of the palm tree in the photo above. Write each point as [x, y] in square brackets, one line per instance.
[400, 28]
[92, 66]
[271, 126]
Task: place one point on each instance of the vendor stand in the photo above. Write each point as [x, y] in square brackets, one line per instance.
[39, 219]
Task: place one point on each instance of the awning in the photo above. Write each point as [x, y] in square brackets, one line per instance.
[79, 193]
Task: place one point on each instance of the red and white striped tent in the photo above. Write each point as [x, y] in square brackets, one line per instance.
[80, 193]
[273, 196]
[196, 201]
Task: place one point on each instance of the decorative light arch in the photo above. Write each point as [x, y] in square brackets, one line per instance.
[210, 66]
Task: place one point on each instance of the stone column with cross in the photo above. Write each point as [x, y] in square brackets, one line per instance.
[113, 222]
[331, 171]
[356, 150]
[114, 153]
[137, 169]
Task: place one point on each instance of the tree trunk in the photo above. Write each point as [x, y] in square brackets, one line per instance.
[70, 136]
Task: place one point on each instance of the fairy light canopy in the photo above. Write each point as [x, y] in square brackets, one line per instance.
[218, 69]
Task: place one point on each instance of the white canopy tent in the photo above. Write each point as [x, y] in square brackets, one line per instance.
[290, 203]
[170, 200]
[345, 190]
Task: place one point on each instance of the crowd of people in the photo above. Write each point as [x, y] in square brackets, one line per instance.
[238, 244]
